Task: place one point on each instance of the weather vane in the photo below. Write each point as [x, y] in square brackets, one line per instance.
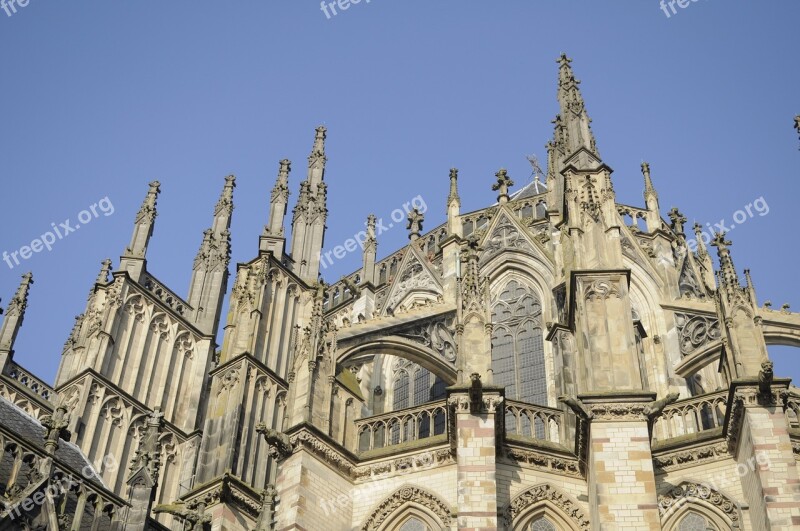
[537, 170]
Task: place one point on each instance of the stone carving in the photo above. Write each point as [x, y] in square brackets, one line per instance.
[765, 377]
[413, 495]
[543, 461]
[229, 380]
[55, 428]
[323, 450]
[695, 331]
[602, 290]
[673, 460]
[414, 277]
[689, 490]
[687, 282]
[279, 444]
[577, 407]
[545, 493]
[505, 235]
[194, 519]
[654, 409]
[435, 334]
[415, 220]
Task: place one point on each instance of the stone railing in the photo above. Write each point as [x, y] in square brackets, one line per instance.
[29, 381]
[402, 426]
[536, 422]
[165, 295]
[692, 415]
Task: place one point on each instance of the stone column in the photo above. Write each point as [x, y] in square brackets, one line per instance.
[758, 436]
[622, 485]
[476, 411]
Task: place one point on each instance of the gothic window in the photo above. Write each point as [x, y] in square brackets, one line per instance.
[518, 348]
[526, 212]
[543, 524]
[517, 344]
[694, 522]
[401, 385]
[422, 386]
[413, 524]
[382, 278]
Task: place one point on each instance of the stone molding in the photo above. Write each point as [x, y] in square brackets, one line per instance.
[413, 495]
[545, 493]
[688, 490]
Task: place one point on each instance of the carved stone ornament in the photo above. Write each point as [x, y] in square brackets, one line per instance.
[409, 494]
[545, 493]
[695, 331]
[689, 490]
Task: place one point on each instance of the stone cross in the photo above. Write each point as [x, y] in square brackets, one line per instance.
[678, 220]
[415, 220]
[502, 185]
[55, 428]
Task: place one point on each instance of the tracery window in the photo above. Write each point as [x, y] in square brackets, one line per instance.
[543, 524]
[517, 344]
[695, 522]
[413, 524]
[518, 348]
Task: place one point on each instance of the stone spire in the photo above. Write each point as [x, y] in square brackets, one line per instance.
[210, 269]
[311, 213]
[272, 239]
[370, 251]
[12, 321]
[105, 270]
[573, 110]
[502, 185]
[454, 206]
[649, 190]
[728, 277]
[279, 199]
[133, 259]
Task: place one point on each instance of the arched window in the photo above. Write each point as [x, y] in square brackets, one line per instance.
[517, 344]
[518, 349]
[695, 522]
[543, 524]
[413, 524]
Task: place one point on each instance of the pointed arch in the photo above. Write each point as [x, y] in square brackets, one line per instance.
[691, 496]
[393, 511]
[545, 500]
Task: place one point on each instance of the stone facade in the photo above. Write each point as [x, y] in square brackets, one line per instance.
[554, 361]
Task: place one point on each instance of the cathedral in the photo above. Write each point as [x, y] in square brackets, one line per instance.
[554, 361]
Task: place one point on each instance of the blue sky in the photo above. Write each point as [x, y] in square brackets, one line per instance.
[102, 97]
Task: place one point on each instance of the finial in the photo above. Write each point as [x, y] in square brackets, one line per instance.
[797, 124]
[148, 208]
[701, 245]
[372, 220]
[502, 185]
[415, 220]
[678, 220]
[55, 428]
[19, 302]
[453, 187]
[319, 141]
[226, 197]
[105, 269]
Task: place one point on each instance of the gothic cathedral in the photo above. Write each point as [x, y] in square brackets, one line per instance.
[554, 361]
